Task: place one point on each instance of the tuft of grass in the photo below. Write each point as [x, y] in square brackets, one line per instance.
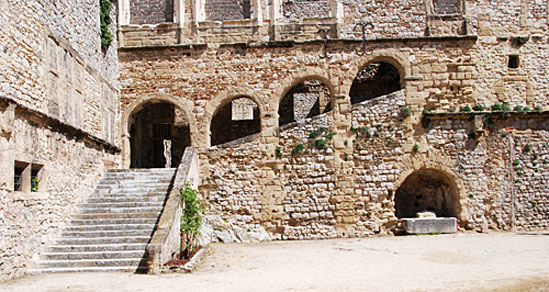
[478, 107]
[298, 149]
[465, 109]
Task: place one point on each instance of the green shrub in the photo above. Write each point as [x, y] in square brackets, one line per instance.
[526, 109]
[416, 148]
[506, 107]
[191, 219]
[313, 134]
[330, 136]
[497, 107]
[405, 111]
[105, 20]
[516, 162]
[538, 108]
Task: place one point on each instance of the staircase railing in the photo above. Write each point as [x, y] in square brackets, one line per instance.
[166, 240]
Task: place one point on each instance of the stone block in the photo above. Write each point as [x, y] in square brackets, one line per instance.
[429, 225]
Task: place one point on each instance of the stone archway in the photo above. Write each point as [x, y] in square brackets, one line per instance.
[374, 80]
[306, 99]
[427, 190]
[159, 132]
[236, 119]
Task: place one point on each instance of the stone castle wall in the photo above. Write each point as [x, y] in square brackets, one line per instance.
[59, 113]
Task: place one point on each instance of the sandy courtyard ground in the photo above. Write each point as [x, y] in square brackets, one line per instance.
[463, 262]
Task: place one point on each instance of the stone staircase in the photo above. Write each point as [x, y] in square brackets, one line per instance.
[111, 229]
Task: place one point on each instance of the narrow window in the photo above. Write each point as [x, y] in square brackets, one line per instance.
[21, 176]
[36, 176]
[513, 62]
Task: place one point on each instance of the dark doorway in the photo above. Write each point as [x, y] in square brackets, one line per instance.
[374, 80]
[159, 134]
[307, 99]
[426, 190]
[237, 119]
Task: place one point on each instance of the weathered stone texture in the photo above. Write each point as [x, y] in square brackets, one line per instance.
[151, 12]
[220, 10]
[299, 9]
[61, 91]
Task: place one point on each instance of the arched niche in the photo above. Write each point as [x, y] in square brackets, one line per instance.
[238, 118]
[158, 132]
[308, 98]
[427, 190]
[374, 80]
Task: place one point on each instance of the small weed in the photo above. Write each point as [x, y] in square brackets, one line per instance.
[516, 162]
[346, 143]
[416, 148]
[405, 111]
[534, 203]
[504, 134]
[527, 148]
[321, 130]
[465, 109]
[527, 109]
[506, 107]
[297, 149]
[518, 108]
[278, 152]
[471, 196]
[330, 136]
[353, 129]
[478, 107]
[264, 153]
[518, 181]
[451, 110]
[545, 161]
[376, 134]
[313, 134]
[519, 168]
[320, 143]
[497, 107]
[538, 108]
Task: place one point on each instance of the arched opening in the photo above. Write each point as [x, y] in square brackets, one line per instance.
[237, 119]
[309, 98]
[376, 79]
[159, 133]
[427, 190]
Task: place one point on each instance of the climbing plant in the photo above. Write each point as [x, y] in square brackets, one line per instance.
[191, 220]
[105, 17]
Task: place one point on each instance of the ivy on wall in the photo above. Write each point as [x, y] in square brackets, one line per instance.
[105, 16]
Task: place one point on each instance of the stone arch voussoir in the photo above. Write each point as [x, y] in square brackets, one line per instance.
[394, 57]
[435, 162]
[226, 96]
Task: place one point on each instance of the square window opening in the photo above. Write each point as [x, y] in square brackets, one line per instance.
[514, 62]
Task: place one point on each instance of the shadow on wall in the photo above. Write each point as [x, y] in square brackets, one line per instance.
[376, 79]
[237, 119]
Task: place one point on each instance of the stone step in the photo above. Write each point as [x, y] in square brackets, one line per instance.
[130, 196]
[105, 221]
[93, 255]
[144, 189]
[131, 182]
[98, 227]
[126, 199]
[123, 262]
[121, 210]
[103, 240]
[124, 204]
[115, 215]
[134, 185]
[106, 233]
[97, 247]
[89, 269]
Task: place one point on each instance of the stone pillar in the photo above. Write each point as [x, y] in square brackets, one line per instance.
[257, 11]
[124, 12]
[179, 12]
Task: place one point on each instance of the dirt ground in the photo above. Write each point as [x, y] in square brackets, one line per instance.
[462, 262]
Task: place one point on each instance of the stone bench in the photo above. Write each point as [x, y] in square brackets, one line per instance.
[429, 225]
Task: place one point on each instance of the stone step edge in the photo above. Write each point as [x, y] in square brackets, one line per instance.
[87, 269]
